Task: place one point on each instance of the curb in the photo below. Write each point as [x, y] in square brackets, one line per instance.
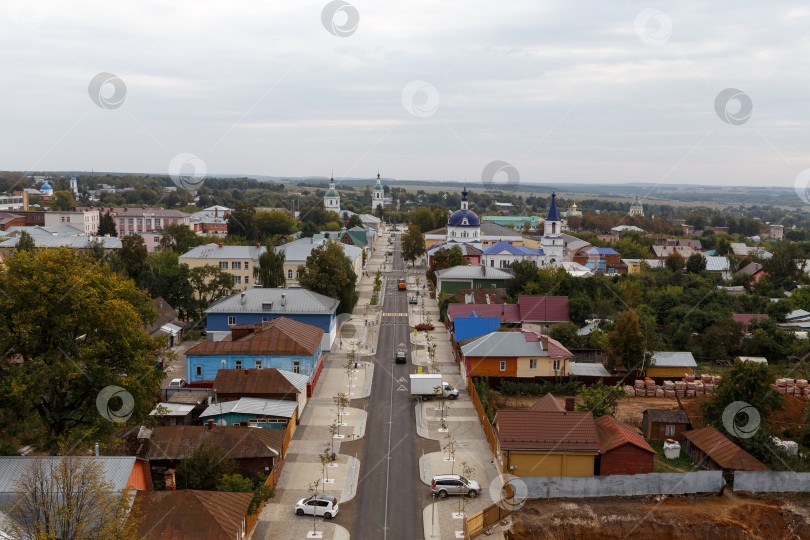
[350, 487]
[425, 471]
[421, 422]
[360, 428]
[367, 383]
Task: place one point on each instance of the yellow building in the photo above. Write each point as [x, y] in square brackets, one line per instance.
[671, 364]
[547, 442]
[296, 253]
[238, 261]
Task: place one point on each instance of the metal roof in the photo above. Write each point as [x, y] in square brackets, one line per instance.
[179, 442]
[548, 431]
[297, 251]
[252, 382]
[673, 359]
[582, 369]
[474, 272]
[717, 264]
[188, 513]
[75, 242]
[172, 409]
[504, 344]
[261, 300]
[489, 228]
[256, 406]
[613, 434]
[116, 470]
[722, 451]
[298, 380]
[222, 251]
[280, 336]
[667, 416]
[543, 308]
[500, 247]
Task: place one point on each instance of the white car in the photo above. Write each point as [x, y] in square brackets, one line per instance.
[177, 383]
[319, 505]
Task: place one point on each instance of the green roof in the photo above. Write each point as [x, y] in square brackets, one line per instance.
[378, 187]
[331, 193]
[637, 203]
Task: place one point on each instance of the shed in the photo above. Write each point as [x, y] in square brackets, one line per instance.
[671, 364]
[658, 425]
[622, 449]
[712, 450]
[587, 369]
[754, 359]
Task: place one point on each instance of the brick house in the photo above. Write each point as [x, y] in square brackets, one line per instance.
[622, 449]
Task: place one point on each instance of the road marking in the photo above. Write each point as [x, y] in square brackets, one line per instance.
[395, 314]
[402, 388]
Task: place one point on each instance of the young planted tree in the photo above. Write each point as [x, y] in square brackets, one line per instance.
[450, 448]
[325, 458]
[467, 471]
[312, 490]
[341, 402]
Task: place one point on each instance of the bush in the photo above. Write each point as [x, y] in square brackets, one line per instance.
[485, 395]
[560, 387]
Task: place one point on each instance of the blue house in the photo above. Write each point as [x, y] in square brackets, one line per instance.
[474, 326]
[282, 343]
[258, 305]
[254, 412]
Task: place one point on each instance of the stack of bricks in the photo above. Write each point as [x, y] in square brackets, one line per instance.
[791, 387]
[688, 387]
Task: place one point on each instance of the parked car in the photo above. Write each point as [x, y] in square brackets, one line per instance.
[454, 484]
[319, 505]
[412, 300]
[424, 326]
[177, 383]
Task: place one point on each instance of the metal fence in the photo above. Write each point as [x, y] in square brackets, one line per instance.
[771, 481]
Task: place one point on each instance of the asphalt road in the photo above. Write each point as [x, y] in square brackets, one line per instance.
[388, 504]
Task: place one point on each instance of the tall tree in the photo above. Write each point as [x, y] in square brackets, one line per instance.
[62, 201]
[273, 223]
[626, 342]
[329, 271]
[783, 266]
[25, 242]
[164, 276]
[204, 468]
[413, 244]
[423, 218]
[524, 272]
[133, 254]
[209, 284]
[354, 221]
[270, 270]
[242, 222]
[178, 238]
[76, 328]
[675, 262]
[600, 399]
[70, 500]
[696, 263]
[106, 225]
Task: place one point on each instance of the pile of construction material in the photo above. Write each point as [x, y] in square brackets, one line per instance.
[687, 387]
[793, 387]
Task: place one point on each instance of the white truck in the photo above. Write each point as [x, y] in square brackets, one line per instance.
[426, 386]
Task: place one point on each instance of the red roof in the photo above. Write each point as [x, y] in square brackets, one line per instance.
[543, 308]
[189, 513]
[281, 336]
[612, 434]
[506, 312]
[253, 381]
[546, 431]
[547, 403]
[748, 318]
[722, 451]
[555, 348]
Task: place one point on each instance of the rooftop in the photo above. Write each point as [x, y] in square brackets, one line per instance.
[673, 359]
[259, 381]
[188, 513]
[222, 251]
[549, 431]
[253, 406]
[179, 442]
[281, 336]
[722, 451]
[261, 300]
[474, 272]
[613, 433]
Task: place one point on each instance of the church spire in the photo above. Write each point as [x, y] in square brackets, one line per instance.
[553, 214]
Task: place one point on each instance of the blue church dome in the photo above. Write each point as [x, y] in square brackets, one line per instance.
[458, 217]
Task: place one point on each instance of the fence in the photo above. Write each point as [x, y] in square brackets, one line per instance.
[489, 516]
[624, 485]
[482, 417]
[771, 481]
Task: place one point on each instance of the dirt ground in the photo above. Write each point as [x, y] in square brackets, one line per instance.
[730, 516]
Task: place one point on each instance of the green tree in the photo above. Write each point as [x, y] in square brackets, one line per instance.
[242, 222]
[204, 468]
[566, 333]
[24, 243]
[209, 283]
[354, 221]
[178, 238]
[270, 270]
[748, 382]
[133, 254]
[329, 271]
[424, 219]
[77, 328]
[164, 276]
[674, 262]
[234, 483]
[62, 201]
[106, 225]
[723, 246]
[783, 266]
[600, 399]
[696, 263]
[273, 223]
[524, 272]
[413, 244]
[626, 341]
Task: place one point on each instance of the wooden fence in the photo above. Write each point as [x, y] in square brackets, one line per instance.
[489, 516]
[482, 417]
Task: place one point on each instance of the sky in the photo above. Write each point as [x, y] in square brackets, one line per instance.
[552, 92]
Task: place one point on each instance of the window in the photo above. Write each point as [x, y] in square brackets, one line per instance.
[237, 280]
[503, 365]
[247, 280]
[289, 274]
[238, 364]
[199, 371]
[265, 319]
[231, 320]
[63, 219]
[296, 367]
[296, 274]
[157, 239]
[492, 262]
[223, 265]
[258, 363]
[555, 365]
[148, 222]
[533, 363]
[121, 221]
[670, 430]
[247, 265]
[236, 265]
[131, 221]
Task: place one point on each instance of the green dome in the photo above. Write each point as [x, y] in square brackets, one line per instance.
[331, 193]
[378, 187]
[636, 203]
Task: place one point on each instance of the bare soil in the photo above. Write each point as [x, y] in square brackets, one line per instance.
[726, 517]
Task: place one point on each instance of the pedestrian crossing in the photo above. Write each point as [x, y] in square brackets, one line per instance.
[395, 314]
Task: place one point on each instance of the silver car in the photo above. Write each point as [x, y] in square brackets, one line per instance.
[319, 505]
[454, 484]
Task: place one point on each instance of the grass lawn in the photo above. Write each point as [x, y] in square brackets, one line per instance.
[663, 465]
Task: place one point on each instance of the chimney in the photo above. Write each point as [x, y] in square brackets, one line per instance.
[210, 424]
[220, 245]
[243, 298]
[160, 304]
[168, 478]
[283, 299]
[569, 403]
[95, 448]
[258, 245]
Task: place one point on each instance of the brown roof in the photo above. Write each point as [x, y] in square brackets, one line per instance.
[547, 403]
[612, 434]
[188, 513]
[549, 431]
[281, 336]
[483, 296]
[665, 416]
[165, 314]
[722, 451]
[253, 381]
[189, 397]
[178, 442]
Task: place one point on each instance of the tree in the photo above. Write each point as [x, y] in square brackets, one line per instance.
[524, 272]
[329, 271]
[273, 223]
[209, 283]
[566, 333]
[76, 328]
[204, 468]
[133, 254]
[723, 246]
[241, 221]
[68, 498]
[625, 341]
[62, 201]
[270, 270]
[783, 266]
[163, 276]
[424, 219]
[354, 221]
[413, 244]
[106, 225]
[600, 399]
[674, 262]
[25, 242]
[234, 483]
[696, 263]
[178, 238]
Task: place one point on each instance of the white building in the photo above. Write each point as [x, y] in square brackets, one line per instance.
[86, 220]
[552, 242]
[636, 209]
[463, 225]
[331, 199]
[378, 196]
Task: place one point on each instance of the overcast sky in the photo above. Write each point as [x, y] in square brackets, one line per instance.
[563, 91]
